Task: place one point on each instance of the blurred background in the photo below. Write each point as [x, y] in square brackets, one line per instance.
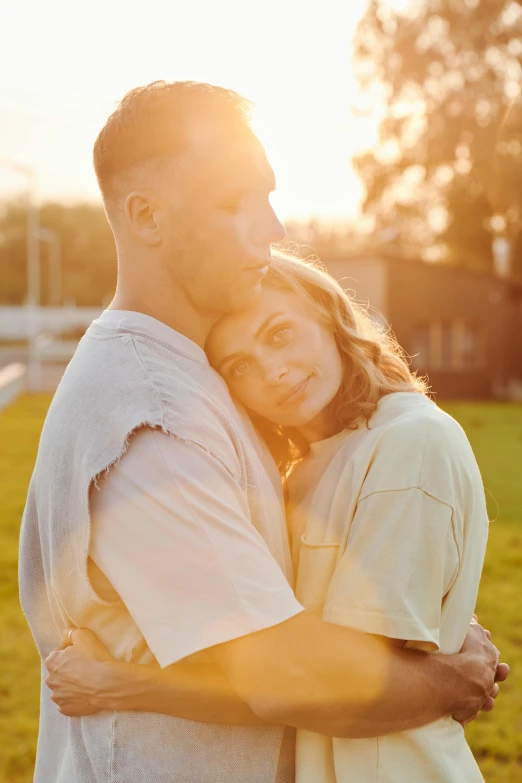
[395, 131]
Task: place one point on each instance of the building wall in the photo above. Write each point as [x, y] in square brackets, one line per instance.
[422, 294]
[414, 296]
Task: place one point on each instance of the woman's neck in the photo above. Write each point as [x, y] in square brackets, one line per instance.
[323, 426]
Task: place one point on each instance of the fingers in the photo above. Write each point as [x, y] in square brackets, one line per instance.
[502, 672]
[52, 662]
[67, 637]
[87, 642]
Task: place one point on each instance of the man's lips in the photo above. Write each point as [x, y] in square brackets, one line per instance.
[261, 271]
[260, 268]
[295, 392]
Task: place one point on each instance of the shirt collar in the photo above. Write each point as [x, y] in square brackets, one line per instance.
[133, 321]
[392, 405]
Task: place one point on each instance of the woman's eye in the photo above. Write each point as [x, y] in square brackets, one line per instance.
[280, 334]
[239, 369]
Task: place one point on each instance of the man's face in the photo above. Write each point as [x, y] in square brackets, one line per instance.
[221, 224]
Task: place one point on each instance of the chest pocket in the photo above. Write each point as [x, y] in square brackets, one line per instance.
[317, 564]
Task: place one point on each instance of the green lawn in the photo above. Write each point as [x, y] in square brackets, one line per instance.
[495, 432]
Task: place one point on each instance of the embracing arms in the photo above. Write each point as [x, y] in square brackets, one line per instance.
[303, 672]
[273, 661]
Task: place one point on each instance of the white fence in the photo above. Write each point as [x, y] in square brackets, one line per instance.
[20, 323]
[12, 382]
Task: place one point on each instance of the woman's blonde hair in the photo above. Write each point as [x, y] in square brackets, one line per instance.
[374, 364]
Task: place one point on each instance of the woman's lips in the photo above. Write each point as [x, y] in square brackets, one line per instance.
[296, 392]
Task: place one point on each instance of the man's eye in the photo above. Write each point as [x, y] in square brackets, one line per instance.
[232, 204]
[231, 208]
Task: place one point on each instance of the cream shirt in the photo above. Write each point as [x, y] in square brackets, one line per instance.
[389, 527]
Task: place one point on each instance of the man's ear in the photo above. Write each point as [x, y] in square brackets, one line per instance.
[141, 212]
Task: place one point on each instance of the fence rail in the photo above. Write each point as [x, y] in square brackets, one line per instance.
[12, 382]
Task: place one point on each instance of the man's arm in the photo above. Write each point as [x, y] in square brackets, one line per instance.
[411, 689]
[85, 679]
[339, 682]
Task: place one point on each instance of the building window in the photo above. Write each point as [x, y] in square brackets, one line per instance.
[446, 345]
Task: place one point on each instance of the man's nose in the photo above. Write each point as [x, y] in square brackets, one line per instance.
[272, 230]
[279, 230]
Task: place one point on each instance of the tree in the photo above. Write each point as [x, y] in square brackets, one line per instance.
[447, 170]
[88, 253]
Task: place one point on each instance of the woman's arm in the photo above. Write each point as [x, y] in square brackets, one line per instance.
[85, 679]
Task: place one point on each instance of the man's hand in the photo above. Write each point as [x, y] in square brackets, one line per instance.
[477, 643]
[79, 674]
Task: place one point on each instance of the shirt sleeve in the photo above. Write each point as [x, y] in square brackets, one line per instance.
[400, 561]
[171, 531]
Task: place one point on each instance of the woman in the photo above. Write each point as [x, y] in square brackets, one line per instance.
[386, 515]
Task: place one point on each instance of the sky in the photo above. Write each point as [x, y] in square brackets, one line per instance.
[64, 66]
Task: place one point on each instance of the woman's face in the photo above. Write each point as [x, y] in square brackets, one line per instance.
[277, 358]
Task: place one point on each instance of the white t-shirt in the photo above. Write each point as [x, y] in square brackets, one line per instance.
[171, 533]
[388, 530]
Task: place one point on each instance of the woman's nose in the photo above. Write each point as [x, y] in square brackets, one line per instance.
[275, 374]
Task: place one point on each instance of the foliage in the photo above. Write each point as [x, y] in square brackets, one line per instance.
[448, 166]
[88, 253]
[495, 432]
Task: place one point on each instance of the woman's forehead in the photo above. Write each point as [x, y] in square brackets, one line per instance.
[234, 331]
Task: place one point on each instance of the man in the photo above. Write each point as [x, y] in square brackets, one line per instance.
[150, 517]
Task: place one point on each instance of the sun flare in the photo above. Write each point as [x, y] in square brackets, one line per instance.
[294, 64]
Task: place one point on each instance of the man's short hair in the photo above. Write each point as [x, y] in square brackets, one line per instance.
[150, 127]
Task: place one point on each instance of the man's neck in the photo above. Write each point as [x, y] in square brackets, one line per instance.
[166, 303]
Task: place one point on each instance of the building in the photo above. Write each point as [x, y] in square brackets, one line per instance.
[462, 328]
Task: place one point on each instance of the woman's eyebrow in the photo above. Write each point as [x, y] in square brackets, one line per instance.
[230, 358]
[266, 323]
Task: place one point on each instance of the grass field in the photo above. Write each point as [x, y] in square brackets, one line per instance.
[495, 432]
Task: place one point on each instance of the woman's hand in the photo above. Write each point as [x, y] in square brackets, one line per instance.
[83, 676]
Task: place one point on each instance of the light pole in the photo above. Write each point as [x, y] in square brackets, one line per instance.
[34, 372]
[55, 263]
[34, 235]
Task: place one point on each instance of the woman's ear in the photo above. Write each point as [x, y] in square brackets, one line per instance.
[141, 212]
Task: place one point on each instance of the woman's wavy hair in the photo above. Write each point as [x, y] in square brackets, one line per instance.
[374, 364]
